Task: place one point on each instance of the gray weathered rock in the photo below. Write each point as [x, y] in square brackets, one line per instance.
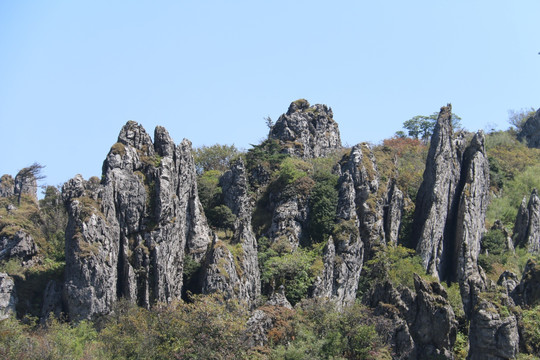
[425, 324]
[470, 220]
[265, 318]
[435, 197]
[393, 211]
[451, 206]
[307, 131]
[52, 300]
[7, 186]
[527, 293]
[508, 281]
[343, 260]
[289, 219]
[25, 184]
[8, 296]
[527, 226]
[235, 275]
[493, 335]
[361, 198]
[128, 236]
[278, 298]
[530, 131]
[21, 245]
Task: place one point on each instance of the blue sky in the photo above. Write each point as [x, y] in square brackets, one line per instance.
[73, 72]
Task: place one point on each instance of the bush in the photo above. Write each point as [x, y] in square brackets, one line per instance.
[294, 270]
[320, 331]
[505, 207]
[322, 210]
[216, 157]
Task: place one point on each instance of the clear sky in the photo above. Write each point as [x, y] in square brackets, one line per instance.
[73, 72]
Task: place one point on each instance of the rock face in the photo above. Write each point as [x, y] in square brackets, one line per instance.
[492, 336]
[342, 266]
[127, 235]
[375, 208]
[473, 193]
[8, 296]
[527, 293]
[435, 197]
[451, 205]
[425, 324]
[21, 246]
[393, 211]
[7, 186]
[370, 215]
[25, 184]
[233, 269]
[530, 131]
[307, 131]
[289, 219]
[527, 226]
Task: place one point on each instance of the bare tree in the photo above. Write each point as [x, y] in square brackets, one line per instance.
[27, 178]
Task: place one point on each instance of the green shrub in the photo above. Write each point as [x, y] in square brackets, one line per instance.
[294, 270]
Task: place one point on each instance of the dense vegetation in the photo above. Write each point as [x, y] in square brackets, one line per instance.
[209, 327]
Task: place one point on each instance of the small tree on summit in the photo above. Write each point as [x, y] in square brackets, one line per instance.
[421, 126]
[26, 178]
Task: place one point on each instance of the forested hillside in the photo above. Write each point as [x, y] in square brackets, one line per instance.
[423, 246]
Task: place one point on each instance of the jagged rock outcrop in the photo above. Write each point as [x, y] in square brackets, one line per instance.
[7, 186]
[278, 298]
[436, 193]
[370, 215]
[493, 333]
[21, 245]
[527, 293]
[8, 296]
[25, 183]
[128, 235]
[266, 317]
[361, 197]
[307, 131]
[470, 218]
[343, 261]
[393, 211]
[530, 131]
[289, 219]
[451, 205]
[509, 243]
[527, 225]
[508, 281]
[425, 324]
[233, 268]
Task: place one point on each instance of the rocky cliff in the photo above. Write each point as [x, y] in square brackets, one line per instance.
[527, 225]
[452, 203]
[232, 268]
[129, 234]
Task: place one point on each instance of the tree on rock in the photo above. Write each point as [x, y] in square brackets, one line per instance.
[26, 180]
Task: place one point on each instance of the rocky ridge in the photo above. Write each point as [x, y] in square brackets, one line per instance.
[133, 233]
